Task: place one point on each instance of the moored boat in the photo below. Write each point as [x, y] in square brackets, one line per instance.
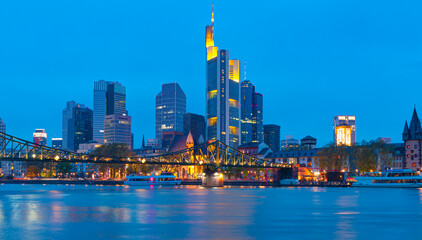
[402, 178]
[163, 179]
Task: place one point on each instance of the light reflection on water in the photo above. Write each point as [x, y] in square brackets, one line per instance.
[96, 212]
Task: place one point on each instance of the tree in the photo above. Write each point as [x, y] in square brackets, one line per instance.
[364, 157]
[64, 168]
[333, 157]
[33, 171]
[113, 150]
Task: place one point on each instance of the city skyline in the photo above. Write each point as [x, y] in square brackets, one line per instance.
[386, 102]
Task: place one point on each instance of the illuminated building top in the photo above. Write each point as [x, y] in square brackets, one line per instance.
[209, 39]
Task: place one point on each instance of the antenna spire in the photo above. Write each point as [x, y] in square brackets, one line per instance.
[212, 15]
[245, 70]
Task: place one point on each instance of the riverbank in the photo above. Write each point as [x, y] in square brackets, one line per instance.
[184, 182]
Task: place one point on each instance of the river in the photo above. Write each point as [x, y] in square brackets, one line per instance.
[192, 212]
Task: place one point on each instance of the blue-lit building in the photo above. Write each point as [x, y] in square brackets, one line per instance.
[252, 122]
[222, 93]
[109, 99]
[170, 106]
[76, 125]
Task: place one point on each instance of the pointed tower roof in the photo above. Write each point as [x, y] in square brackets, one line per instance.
[406, 128]
[189, 141]
[415, 125]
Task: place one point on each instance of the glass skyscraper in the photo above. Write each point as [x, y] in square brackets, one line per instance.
[170, 106]
[110, 99]
[272, 136]
[77, 125]
[100, 91]
[251, 114]
[222, 93]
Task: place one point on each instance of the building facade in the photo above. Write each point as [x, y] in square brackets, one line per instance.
[252, 122]
[344, 130]
[40, 137]
[222, 92]
[170, 106]
[412, 137]
[77, 125]
[109, 99]
[272, 136]
[57, 143]
[117, 129]
[195, 124]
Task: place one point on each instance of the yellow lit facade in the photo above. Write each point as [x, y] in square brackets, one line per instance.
[234, 70]
[344, 135]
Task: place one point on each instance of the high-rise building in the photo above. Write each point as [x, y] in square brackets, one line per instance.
[100, 93]
[222, 92]
[251, 103]
[344, 130]
[170, 106]
[40, 137]
[195, 124]
[2, 126]
[77, 125]
[308, 142]
[412, 137]
[115, 99]
[272, 136]
[57, 143]
[109, 99]
[117, 129]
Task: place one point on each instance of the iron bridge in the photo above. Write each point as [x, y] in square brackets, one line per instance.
[214, 153]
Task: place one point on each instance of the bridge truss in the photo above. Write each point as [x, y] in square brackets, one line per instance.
[214, 153]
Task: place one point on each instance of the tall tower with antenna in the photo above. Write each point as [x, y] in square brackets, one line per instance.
[222, 92]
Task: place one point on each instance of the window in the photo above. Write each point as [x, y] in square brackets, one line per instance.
[414, 165]
[408, 146]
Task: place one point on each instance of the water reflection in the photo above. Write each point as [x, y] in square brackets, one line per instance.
[194, 212]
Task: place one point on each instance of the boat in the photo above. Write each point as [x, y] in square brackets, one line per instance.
[289, 182]
[167, 179]
[401, 178]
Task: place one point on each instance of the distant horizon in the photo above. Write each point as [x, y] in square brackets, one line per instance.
[311, 61]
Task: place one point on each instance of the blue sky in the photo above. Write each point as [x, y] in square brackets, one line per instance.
[310, 59]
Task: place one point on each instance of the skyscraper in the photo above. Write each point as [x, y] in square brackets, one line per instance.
[272, 136]
[118, 129]
[251, 114]
[40, 137]
[77, 125]
[109, 99]
[2, 126]
[222, 92]
[344, 130]
[170, 106]
[100, 91]
[195, 124]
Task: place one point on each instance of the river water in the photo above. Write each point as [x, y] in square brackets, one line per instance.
[193, 212]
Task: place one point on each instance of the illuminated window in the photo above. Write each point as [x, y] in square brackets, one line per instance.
[414, 165]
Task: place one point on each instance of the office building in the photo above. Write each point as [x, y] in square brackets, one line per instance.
[344, 130]
[117, 129]
[412, 137]
[109, 99]
[222, 92]
[57, 143]
[77, 125]
[251, 103]
[272, 136]
[170, 106]
[308, 142]
[40, 137]
[195, 124]
[2, 126]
